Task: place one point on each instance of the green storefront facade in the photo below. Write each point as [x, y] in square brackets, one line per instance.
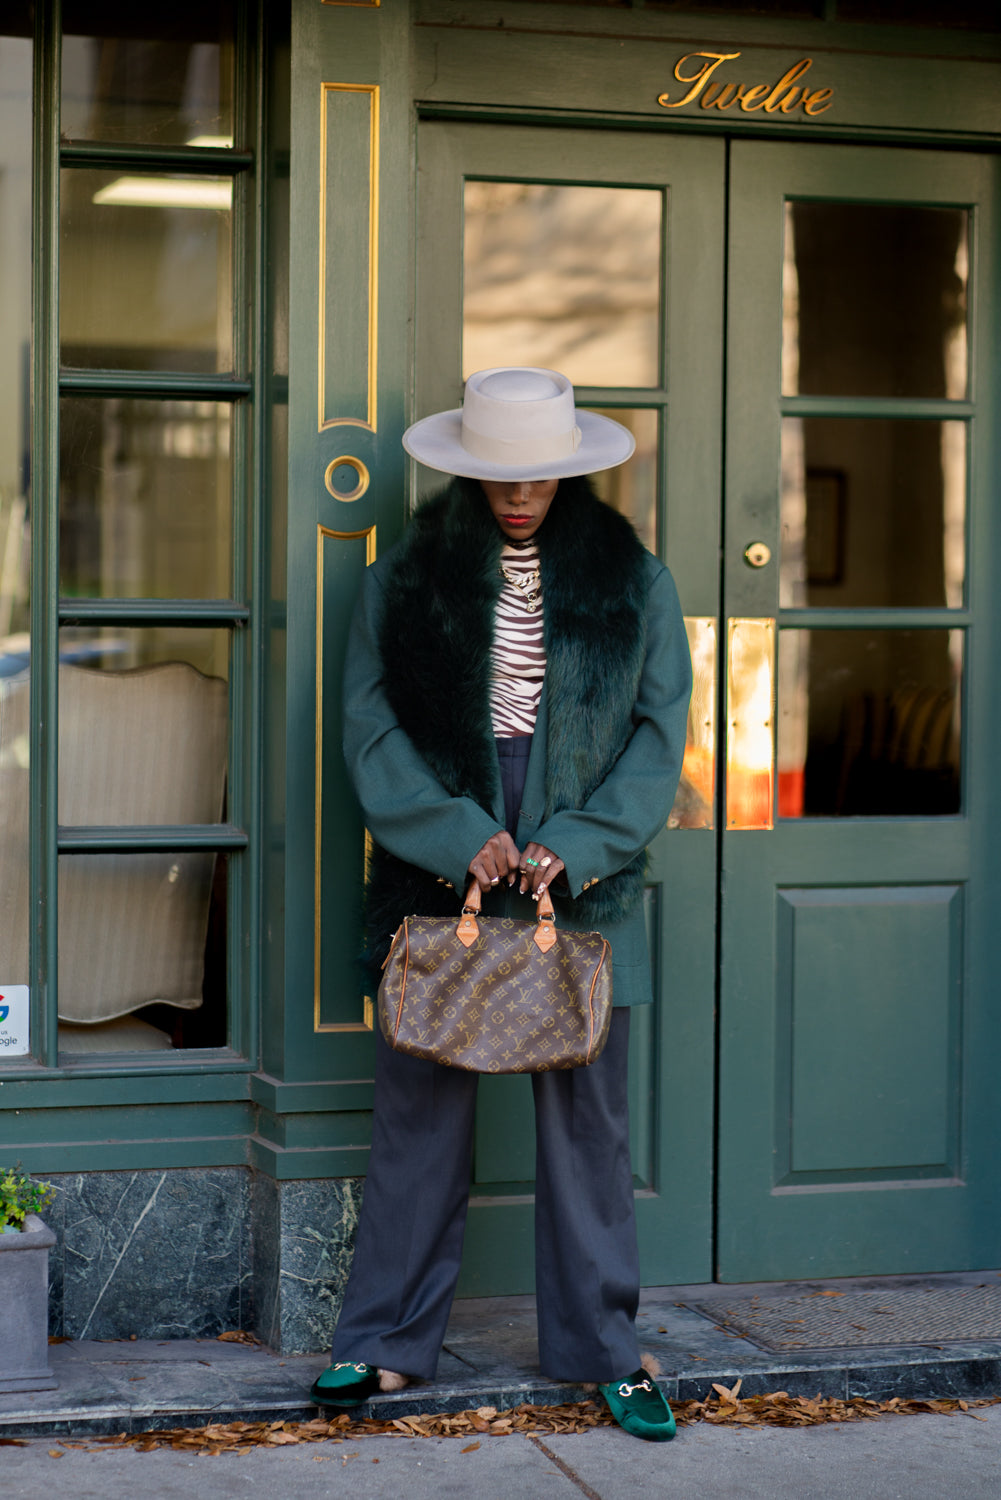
[242, 247]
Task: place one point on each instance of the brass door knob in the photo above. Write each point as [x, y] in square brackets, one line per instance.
[757, 554]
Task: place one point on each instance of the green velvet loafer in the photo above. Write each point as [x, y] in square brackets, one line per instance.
[344, 1385]
[640, 1407]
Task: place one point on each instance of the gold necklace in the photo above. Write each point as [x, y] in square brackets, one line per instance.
[530, 586]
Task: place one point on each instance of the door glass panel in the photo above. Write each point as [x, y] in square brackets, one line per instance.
[568, 278]
[141, 747]
[113, 648]
[15, 524]
[872, 512]
[632, 487]
[142, 952]
[145, 271]
[869, 722]
[155, 75]
[144, 499]
[874, 300]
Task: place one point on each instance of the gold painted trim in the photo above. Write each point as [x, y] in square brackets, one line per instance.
[372, 89]
[750, 723]
[364, 478]
[368, 1013]
[359, 4]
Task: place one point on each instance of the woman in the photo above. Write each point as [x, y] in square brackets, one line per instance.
[516, 694]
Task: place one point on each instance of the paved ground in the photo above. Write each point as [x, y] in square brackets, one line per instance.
[490, 1359]
[892, 1458]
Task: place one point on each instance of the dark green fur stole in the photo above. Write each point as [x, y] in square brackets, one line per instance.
[435, 641]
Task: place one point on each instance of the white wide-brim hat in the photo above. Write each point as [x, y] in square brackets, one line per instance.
[518, 422]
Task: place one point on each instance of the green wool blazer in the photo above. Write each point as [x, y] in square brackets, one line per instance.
[411, 814]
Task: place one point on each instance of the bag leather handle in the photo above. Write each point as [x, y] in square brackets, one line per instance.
[468, 931]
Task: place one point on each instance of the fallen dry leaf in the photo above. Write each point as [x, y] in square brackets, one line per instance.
[237, 1336]
[724, 1408]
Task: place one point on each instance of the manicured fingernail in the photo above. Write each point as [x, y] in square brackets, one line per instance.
[542, 887]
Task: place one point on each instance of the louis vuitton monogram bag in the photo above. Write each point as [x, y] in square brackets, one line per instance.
[496, 995]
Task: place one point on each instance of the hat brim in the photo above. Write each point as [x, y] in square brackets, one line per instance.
[436, 441]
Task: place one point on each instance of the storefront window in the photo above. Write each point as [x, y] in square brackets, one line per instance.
[869, 723]
[145, 271]
[148, 74]
[874, 296]
[565, 277]
[632, 487]
[119, 925]
[15, 499]
[142, 952]
[873, 512]
[145, 499]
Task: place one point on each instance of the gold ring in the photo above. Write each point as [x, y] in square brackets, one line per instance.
[545, 863]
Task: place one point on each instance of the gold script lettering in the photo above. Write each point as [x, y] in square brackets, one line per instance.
[775, 101]
[713, 60]
[748, 96]
[782, 97]
[818, 101]
[719, 96]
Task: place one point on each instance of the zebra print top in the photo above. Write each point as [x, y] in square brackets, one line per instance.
[519, 656]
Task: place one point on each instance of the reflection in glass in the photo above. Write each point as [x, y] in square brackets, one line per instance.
[110, 648]
[869, 722]
[141, 747]
[874, 300]
[15, 534]
[563, 277]
[148, 74]
[142, 942]
[145, 271]
[632, 487]
[145, 499]
[695, 800]
[873, 512]
[750, 697]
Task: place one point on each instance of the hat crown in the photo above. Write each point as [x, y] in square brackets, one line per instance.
[517, 414]
[519, 385]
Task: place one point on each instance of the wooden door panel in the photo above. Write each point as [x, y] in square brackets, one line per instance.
[857, 1042]
[672, 1047]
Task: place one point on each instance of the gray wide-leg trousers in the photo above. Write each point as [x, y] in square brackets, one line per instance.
[409, 1242]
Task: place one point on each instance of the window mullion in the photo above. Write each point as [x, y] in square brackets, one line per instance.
[44, 655]
[241, 649]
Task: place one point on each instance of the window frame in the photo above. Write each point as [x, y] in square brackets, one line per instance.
[241, 614]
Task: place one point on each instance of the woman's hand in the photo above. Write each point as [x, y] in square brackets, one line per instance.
[539, 868]
[498, 860]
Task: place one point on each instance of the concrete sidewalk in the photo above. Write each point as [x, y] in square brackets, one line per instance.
[490, 1359]
[890, 1458]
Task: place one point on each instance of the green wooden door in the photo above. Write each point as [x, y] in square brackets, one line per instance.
[602, 255]
[832, 302]
[858, 1051]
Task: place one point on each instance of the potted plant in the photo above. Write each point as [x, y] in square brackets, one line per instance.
[24, 1283]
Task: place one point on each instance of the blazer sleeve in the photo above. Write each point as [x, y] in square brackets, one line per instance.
[632, 804]
[406, 808]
